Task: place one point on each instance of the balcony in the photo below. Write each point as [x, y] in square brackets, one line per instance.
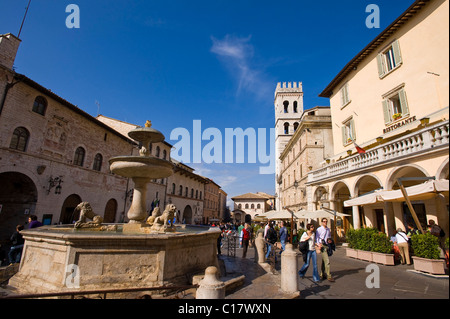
[430, 138]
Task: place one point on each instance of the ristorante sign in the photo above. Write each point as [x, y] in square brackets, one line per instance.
[399, 124]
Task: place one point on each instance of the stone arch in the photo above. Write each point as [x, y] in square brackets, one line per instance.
[110, 211]
[366, 183]
[443, 170]
[68, 215]
[410, 170]
[18, 198]
[187, 215]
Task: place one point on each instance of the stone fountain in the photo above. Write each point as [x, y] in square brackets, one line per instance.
[146, 252]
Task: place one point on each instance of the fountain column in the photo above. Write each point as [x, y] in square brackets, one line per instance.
[137, 212]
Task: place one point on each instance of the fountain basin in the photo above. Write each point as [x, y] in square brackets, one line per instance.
[141, 167]
[53, 257]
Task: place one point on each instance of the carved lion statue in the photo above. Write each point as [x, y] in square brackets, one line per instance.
[86, 211]
[167, 217]
[156, 212]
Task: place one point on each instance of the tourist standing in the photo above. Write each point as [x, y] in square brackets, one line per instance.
[311, 257]
[323, 239]
[34, 223]
[17, 240]
[403, 246]
[246, 236]
[271, 238]
[283, 236]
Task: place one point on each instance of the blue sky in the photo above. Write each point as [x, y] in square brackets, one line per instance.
[176, 61]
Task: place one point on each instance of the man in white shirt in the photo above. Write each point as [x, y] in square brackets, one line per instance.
[403, 246]
[323, 234]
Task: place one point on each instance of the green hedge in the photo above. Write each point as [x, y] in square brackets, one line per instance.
[425, 246]
[369, 239]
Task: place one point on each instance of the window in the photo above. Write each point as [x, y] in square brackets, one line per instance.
[98, 162]
[258, 206]
[40, 105]
[389, 59]
[240, 206]
[186, 192]
[200, 195]
[286, 128]
[348, 131]
[395, 106]
[286, 106]
[246, 206]
[19, 140]
[164, 154]
[79, 156]
[295, 107]
[158, 150]
[173, 188]
[295, 126]
[192, 193]
[180, 192]
[344, 95]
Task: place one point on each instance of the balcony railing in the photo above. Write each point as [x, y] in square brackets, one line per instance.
[431, 137]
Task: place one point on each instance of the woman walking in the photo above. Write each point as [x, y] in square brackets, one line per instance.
[309, 236]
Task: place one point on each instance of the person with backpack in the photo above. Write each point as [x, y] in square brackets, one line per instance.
[271, 238]
[403, 246]
[308, 238]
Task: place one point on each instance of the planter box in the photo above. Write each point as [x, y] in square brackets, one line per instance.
[350, 252]
[385, 259]
[365, 255]
[432, 266]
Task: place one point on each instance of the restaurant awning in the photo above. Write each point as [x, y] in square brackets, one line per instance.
[321, 214]
[422, 191]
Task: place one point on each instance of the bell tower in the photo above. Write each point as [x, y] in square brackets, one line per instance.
[288, 111]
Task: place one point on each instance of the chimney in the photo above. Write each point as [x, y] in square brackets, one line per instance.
[9, 44]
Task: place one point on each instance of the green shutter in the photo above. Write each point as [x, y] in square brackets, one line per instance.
[344, 137]
[381, 67]
[352, 126]
[386, 112]
[403, 102]
[397, 54]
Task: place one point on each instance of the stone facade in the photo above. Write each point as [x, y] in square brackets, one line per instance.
[53, 156]
[251, 204]
[309, 147]
[391, 100]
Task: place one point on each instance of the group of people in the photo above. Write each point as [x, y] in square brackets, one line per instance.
[402, 239]
[17, 241]
[312, 243]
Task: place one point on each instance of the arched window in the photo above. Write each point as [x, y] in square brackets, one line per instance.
[253, 206]
[286, 128]
[98, 162]
[200, 195]
[158, 150]
[240, 206]
[79, 156]
[295, 126]
[164, 154]
[19, 140]
[173, 188]
[196, 194]
[246, 206]
[40, 105]
[258, 206]
[286, 106]
[295, 107]
[186, 191]
[192, 193]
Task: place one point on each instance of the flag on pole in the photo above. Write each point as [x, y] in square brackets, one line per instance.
[359, 148]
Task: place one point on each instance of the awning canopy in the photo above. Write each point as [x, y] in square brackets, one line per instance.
[278, 215]
[321, 214]
[422, 191]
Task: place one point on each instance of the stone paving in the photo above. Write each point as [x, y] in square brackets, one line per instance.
[396, 282]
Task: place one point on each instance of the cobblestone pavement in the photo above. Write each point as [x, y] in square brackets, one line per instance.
[396, 282]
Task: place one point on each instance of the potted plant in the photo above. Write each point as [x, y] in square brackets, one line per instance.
[382, 249]
[426, 254]
[396, 116]
[351, 241]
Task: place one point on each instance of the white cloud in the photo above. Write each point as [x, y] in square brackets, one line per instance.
[238, 56]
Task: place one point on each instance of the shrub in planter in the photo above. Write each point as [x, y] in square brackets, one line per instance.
[425, 246]
[380, 243]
